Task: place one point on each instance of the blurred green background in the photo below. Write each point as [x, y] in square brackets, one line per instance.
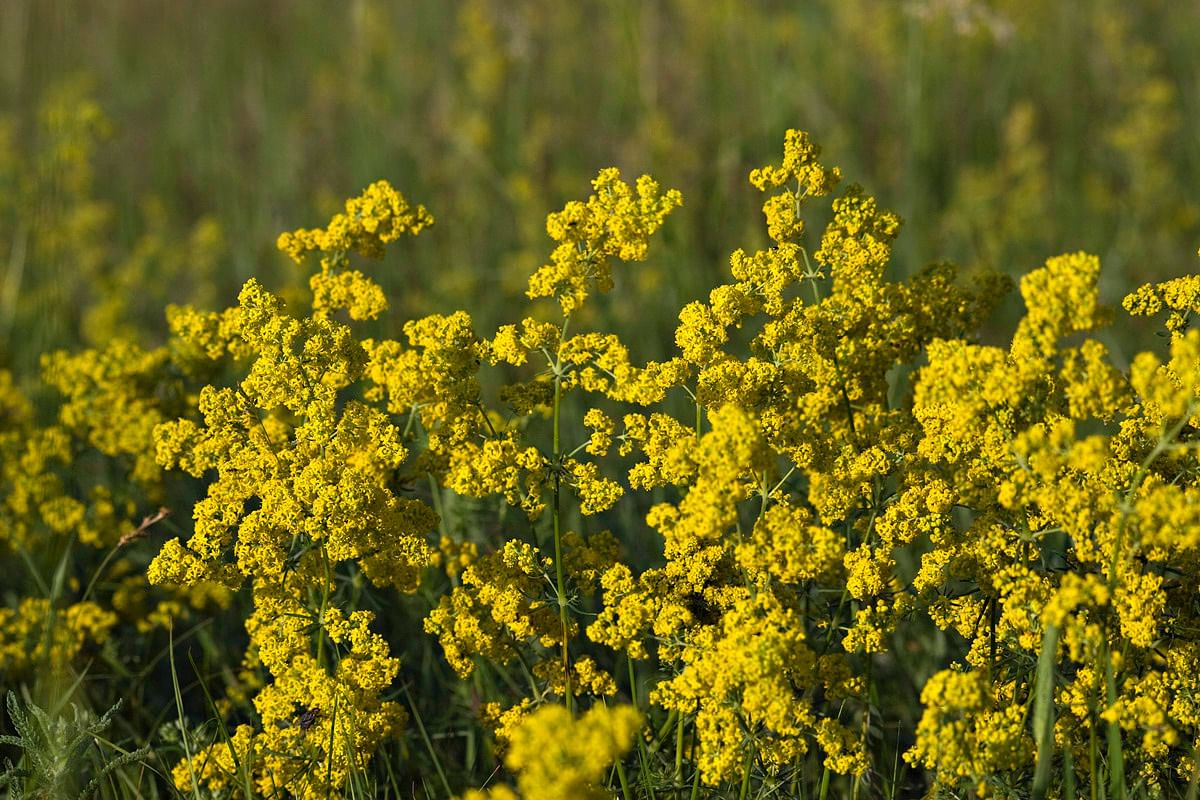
[151, 152]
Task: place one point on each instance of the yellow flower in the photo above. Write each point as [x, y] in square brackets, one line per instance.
[615, 222]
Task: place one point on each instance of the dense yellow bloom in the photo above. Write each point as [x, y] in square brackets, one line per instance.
[499, 606]
[304, 485]
[556, 756]
[615, 222]
[967, 731]
[812, 180]
[502, 606]
[752, 673]
[371, 221]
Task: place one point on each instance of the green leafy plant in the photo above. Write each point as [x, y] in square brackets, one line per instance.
[56, 758]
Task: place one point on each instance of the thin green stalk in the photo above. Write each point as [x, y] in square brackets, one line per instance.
[183, 736]
[866, 723]
[435, 494]
[99, 571]
[329, 745]
[745, 791]
[1043, 713]
[1068, 775]
[824, 783]
[628, 795]
[643, 764]
[895, 767]
[242, 772]
[533, 687]
[560, 578]
[665, 730]
[324, 608]
[1116, 758]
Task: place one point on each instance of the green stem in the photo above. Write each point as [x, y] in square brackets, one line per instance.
[746, 775]
[1116, 758]
[641, 740]
[1093, 760]
[435, 494]
[99, 571]
[624, 782]
[560, 577]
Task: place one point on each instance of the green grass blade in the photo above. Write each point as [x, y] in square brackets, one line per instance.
[183, 733]
[1043, 713]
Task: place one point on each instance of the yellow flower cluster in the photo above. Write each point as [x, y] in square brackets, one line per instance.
[615, 222]
[371, 221]
[557, 756]
[70, 493]
[1076, 476]
[302, 493]
[805, 438]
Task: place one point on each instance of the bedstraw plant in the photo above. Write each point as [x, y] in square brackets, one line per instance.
[704, 576]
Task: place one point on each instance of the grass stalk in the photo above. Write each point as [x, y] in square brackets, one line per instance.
[1043, 713]
[183, 733]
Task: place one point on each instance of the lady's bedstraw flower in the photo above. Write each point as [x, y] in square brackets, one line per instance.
[303, 492]
[835, 462]
[615, 222]
[556, 756]
[811, 180]
[371, 221]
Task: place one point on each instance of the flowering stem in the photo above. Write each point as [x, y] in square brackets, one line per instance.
[560, 580]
